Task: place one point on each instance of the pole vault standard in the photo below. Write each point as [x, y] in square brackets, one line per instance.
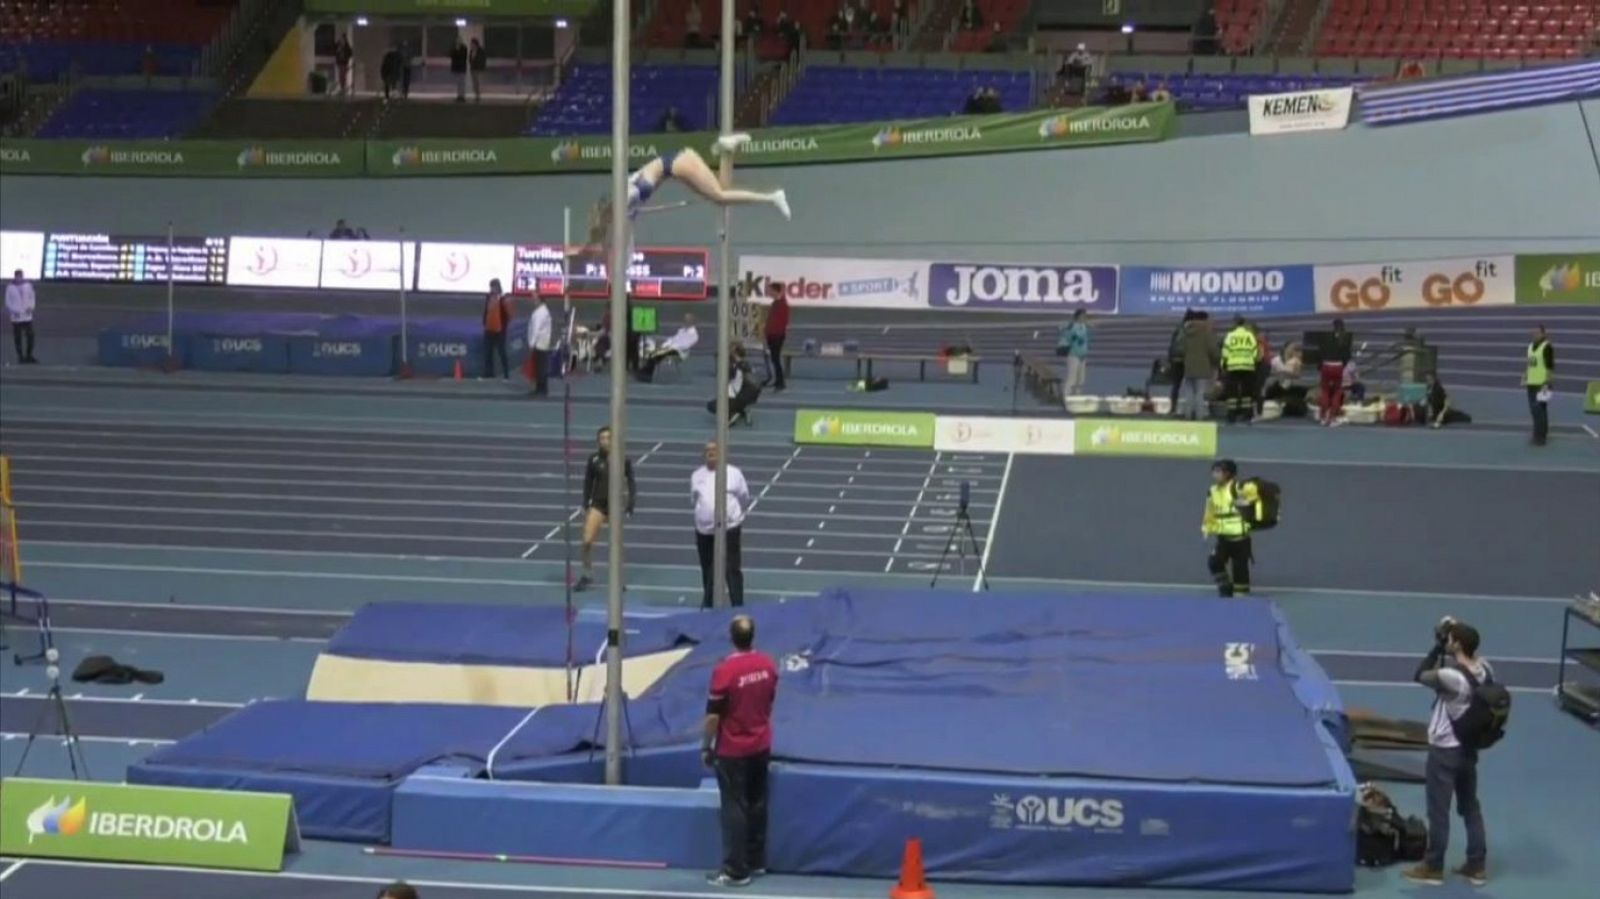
[719, 555]
[621, 252]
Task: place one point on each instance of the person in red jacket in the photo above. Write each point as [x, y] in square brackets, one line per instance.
[738, 745]
[777, 330]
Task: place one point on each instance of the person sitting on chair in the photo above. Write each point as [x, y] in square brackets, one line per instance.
[675, 347]
[743, 388]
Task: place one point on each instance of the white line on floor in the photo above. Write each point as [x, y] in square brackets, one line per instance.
[771, 482]
[123, 700]
[1592, 432]
[1345, 682]
[10, 870]
[994, 522]
[906, 527]
[186, 635]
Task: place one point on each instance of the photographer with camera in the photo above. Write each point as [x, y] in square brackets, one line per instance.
[1469, 714]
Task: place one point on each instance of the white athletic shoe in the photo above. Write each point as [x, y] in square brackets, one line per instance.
[780, 199]
[730, 143]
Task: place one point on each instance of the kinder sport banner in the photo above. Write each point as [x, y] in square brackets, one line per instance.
[524, 156]
[1430, 284]
[1277, 290]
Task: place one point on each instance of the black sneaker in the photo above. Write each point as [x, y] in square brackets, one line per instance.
[583, 584]
[724, 879]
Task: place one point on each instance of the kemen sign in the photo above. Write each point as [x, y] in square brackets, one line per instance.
[864, 427]
[1431, 284]
[156, 825]
[1319, 110]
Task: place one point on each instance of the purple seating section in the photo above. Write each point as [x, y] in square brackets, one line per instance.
[127, 115]
[582, 105]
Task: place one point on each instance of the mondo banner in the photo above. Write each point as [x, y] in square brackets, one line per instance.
[1564, 278]
[864, 427]
[1431, 284]
[836, 283]
[156, 825]
[1280, 290]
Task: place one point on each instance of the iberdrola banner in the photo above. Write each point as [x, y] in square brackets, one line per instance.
[954, 135]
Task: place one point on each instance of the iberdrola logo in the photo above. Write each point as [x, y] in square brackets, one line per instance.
[887, 137]
[1103, 436]
[250, 156]
[62, 819]
[1561, 279]
[96, 155]
[1055, 126]
[827, 426]
[406, 156]
[566, 151]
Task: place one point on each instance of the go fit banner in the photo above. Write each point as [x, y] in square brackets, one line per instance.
[154, 825]
[1429, 284]
[864, 427]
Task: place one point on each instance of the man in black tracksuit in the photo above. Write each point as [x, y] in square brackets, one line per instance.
[597, 498]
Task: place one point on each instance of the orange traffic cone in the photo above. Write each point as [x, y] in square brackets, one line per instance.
[458, 369]
[912, 885]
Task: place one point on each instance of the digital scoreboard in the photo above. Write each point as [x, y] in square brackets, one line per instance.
[135, 259]
[654, 273]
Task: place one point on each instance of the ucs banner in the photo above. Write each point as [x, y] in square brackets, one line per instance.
[864, 427]
[1430, 284]
[153, 825]
[1012, 287]
[1564, 278]
[1280, 290]
[836, 283]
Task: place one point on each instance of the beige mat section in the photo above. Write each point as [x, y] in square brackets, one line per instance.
[344, 679]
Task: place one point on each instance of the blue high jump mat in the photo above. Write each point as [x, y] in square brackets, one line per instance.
[1026, 738]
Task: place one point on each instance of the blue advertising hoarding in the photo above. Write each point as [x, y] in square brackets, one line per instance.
[1013, 287]
[1273, 290]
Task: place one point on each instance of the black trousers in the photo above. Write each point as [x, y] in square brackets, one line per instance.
[706, 544]
[1239, 390]
[1230, 565]
[1177, 383]
[541, 371]
[1541, 415]
[22, 339]
[1263, 377]
[742, 784]
[775, 359]
[494, 344]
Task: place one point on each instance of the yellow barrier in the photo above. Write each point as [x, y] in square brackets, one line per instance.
[10, 549]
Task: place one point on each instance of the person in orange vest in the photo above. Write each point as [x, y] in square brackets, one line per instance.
[496, 314]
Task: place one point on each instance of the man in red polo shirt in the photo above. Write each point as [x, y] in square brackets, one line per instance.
[777, 329]
[738, 745]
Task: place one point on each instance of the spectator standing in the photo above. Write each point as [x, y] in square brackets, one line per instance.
[1453, 671]
[1541, 363]
[458, 70]
[1200, 359]
[703, 493]
[671, 120]
[692, 20]
[477, 64]
[1175, 359]
[389, 70]
[788, 30]
[1205, 33]
[1239, 355]
[496, 316]
[971, 16]
[777, 331]
[20, 302]
[597, 500]
[738, 746]
[1076, 67]
[540, 336]
[343, 56]
[1263, 367]
[342, 231]
[1072, 341]
[1336, 353]
[901, 19]
[753, 26]
[406, 62]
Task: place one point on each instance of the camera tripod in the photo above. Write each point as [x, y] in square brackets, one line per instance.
[56, 705]
[962, 538]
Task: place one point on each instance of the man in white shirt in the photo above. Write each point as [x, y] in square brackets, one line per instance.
[19, 308]
[540, 340]
[1454, 671]
[676, 346]
[703, 490]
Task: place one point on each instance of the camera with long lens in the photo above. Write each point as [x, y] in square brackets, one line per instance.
[1441, 631]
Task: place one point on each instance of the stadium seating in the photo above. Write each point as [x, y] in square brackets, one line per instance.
[582, 105]
[106, 37]
[849, 94]
[666, 29]
[1216, 92]
[1007, 13]
[1240, 23]
[127, 115]
[1459, 29]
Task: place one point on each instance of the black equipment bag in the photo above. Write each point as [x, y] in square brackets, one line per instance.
[1483, 724]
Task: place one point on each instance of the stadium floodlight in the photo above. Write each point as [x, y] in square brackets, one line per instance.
[1128, 28]
[361, 21]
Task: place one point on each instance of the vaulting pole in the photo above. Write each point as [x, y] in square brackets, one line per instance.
[621, 251]
[719, 556]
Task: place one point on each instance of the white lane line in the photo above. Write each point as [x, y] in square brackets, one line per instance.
[994, 522]
[184, 635]
[123, 700]
[772, 482]
[121, 741]
[11, 869]
[1591, 431]
[651, 451]
[906, 527]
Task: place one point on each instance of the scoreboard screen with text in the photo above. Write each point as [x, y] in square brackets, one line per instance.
[133, 259]
[654, 273]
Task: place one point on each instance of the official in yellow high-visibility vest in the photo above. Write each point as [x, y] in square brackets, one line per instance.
[1541, 363]
[1230, 507]
[1240, 350]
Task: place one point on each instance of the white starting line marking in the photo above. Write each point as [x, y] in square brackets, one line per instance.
[1591, 431]
[994, 523]
[906, 527]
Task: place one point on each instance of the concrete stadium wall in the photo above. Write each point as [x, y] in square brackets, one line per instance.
[1522, 180]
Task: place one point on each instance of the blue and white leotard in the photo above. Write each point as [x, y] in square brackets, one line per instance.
[639, 189]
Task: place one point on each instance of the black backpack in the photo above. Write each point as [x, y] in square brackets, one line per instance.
[1483, 724]
[1263, 516]
[1384, 835]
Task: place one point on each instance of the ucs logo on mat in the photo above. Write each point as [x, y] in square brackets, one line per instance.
[1056, 813]
[1239, 661]
[63, 819]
